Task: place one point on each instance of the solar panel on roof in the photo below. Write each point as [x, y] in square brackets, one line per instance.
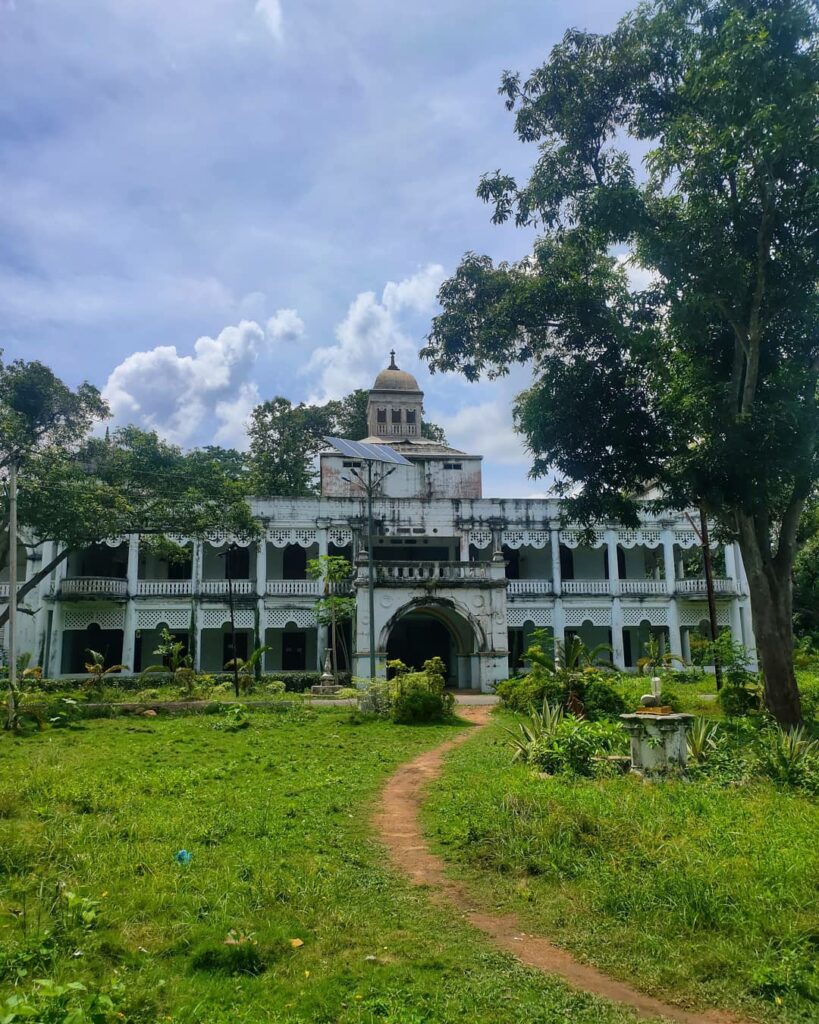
[369, 452]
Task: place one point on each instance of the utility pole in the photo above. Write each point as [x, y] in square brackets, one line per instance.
[11, 721]
[229, 577]
[370, 566]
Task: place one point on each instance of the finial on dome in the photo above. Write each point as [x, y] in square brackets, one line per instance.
[392, 365]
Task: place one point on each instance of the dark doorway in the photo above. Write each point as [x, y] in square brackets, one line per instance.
[294, 562]
[77, 643]
[227, 647]
[512, 556]
[237, 564]
[294, 652]
[417, 638]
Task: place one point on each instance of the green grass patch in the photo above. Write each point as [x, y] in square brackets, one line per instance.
[689, 889]
[286, 910]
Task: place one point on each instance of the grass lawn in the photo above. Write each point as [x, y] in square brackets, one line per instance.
[687, 889]
[276, 817]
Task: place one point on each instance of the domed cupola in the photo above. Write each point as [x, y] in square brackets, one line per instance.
[395, 405]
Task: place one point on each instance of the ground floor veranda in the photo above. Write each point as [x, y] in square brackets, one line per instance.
[477, 647]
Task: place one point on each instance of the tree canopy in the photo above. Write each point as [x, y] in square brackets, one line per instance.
[703, 379]
[285, 440]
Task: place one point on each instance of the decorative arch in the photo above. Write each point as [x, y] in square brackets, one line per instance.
[457, 618]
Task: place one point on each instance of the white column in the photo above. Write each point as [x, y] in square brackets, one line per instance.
[668, 561]
[261, 566]
[554, 547]
[558, 624]
[129, 626]
[748, 637]
[730, 565]
[463, 542]
[322, 632]
[674, 637]
[55, 652]
[618, 655]
[614, 572]
[735, 620]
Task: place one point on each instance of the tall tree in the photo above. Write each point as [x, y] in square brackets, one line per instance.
[704, 380]
[285, 440]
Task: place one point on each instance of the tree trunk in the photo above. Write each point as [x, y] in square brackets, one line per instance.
[769, 584]
[29, 585]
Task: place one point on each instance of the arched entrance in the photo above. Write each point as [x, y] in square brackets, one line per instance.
[427, 630]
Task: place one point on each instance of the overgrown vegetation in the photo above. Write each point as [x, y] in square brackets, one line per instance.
[698, 891]
[230, 875]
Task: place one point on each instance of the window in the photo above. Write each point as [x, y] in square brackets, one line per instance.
[294, 562]
[237, 564]
[227, 647]
[453, 465]
[410, 416]
[351, 464]
[294, 652]
[396, 415]
[381, 415]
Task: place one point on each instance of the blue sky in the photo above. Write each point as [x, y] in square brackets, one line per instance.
[209, 202]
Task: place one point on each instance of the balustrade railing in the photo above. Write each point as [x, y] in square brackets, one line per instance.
[313, 588]
[698, 586]
[451, 572]
[586, 586]
[241, 588]
[96, 586]
[164, 588]
[520, 587]
[642, 587]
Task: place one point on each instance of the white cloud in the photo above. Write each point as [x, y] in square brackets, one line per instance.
[192, 398]
[485, 429]
[369, 330]
[286, 325]
[418, 292]
[270, 11]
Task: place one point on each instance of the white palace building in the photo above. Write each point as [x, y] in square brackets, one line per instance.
[457, 574]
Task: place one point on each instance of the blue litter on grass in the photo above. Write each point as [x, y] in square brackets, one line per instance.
[183, 857]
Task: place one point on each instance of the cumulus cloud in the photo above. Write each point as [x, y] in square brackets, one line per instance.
[485, 429]
[192, 398]
[370, 328]
[270, 12]
[286, 325]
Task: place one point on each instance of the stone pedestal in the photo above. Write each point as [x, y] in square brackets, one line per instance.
[658, 742]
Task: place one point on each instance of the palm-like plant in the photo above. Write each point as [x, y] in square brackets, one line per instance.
[537, 727]
[175, 660]
[247, 666]
[787, 752]
[97, 670]
[654, 659]
[703, 737]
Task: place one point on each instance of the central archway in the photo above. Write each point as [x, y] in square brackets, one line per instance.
[428, 629]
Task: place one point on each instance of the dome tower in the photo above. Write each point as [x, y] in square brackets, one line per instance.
[395, 406]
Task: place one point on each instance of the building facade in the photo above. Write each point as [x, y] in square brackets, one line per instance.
[456, 575]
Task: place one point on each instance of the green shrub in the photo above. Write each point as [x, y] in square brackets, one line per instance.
[571, 746]
[420, 697]
[738, 699]
[588, 692]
